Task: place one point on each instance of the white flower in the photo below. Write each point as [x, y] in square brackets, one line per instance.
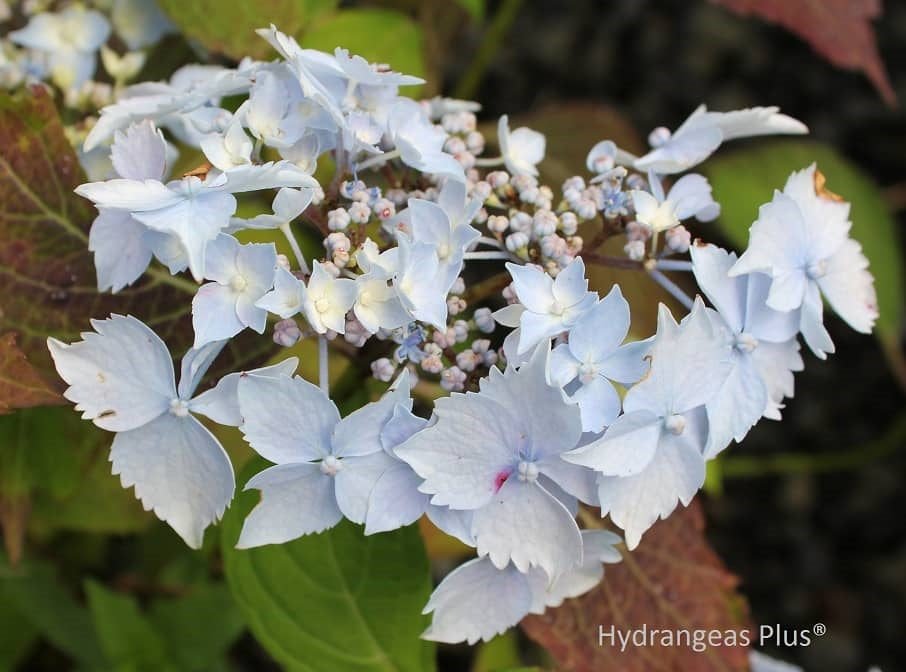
[324, 468]
[122, 245]
[395, 499]
[552, 305]
[655, 215]
[762, 341]
[71, 39]
[594, 356]
[703, 132]
[497, 453]
[288, 204]
[419, 282]
[377, 305]
[419, 142]
[522, 149]
[652, 455]
[191, 210]
[175, 105]
[122, 378]
[360, 71]
[430, 223]
[228, 149]
[287, 296]
[327, 300]
[269, 112]
[801, 239]
[758, 662]
[242, 274]
[140, 23]
[122, 68]
[477, 600]
[689, 197]
[603, 157]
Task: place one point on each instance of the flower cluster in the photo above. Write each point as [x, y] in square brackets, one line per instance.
[585, 413]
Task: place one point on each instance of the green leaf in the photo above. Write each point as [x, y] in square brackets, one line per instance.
[198, 628]
[501, 653]
[127, 638]
[57, 463]
[52, 611]
[475, 8]
[746, 178]
[333, 602]
[380, 35]
[229, 27]
[17, 634]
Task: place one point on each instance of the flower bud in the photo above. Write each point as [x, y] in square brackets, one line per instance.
[569, 223]
[453, 379]
[287, 333]
[455, 305]
[635, 250]
[498, 179]
[384, 208]
[517, 241]
[359, 212]
[383, 369]
[678, 239]
[338, 220]
[484, 320]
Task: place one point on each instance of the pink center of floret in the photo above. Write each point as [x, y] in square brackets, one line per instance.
[500, 479]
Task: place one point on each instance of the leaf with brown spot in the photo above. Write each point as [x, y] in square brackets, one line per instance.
[839, 30]
[20, 385]
[47, 276]
[672, 581]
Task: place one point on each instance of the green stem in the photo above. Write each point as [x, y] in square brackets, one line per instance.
[793, 463]
[490, 44]
[162, 276]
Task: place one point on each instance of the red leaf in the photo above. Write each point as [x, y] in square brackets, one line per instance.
[20, 385]
[672, 581]
[47, 274]
[839, 30]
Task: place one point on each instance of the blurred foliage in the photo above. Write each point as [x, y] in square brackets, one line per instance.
[839, 30]
[228, 28]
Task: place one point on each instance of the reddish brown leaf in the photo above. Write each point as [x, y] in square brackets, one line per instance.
[47, 276]
[839, 30]
[672, 581]
[20, 385]
[14, 512]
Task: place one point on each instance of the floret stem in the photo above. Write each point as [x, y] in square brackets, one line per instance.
[673, 265]
[323, 378]
[671, 287]
[379, 159]
[294, 244]
[490, 254]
